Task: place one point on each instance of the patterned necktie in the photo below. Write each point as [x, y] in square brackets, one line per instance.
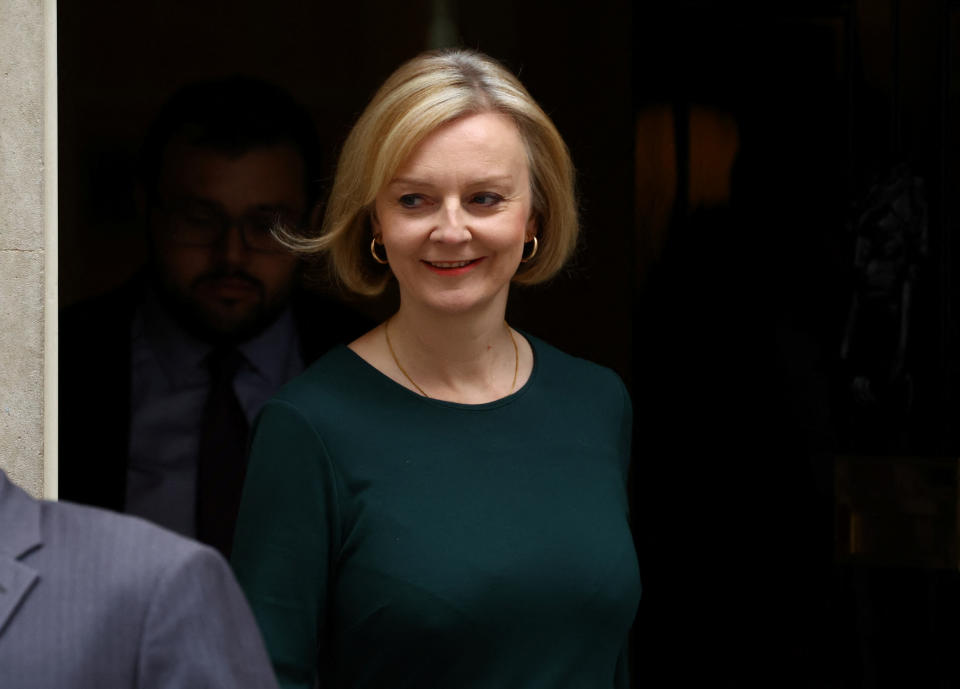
[222, 460]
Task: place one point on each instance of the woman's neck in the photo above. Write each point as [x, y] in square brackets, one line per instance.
[468, 357]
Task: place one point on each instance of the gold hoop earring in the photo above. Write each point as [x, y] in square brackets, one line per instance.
[536, 245]
[373, 252]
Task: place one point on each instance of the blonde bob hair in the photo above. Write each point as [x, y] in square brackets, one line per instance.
[425, 93]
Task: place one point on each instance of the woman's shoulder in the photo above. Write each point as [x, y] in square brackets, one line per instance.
[323, 381]
[569, 370]
[579, 393]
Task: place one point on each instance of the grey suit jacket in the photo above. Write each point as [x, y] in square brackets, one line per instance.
[93, 599]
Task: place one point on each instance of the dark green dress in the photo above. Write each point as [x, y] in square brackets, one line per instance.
[390, 540]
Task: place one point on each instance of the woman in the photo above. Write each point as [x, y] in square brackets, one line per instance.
[443, 502]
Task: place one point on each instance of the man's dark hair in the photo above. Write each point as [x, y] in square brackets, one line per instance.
[231, 115]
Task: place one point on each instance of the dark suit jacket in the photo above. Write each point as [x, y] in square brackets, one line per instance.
[94, 404]
[95, 600]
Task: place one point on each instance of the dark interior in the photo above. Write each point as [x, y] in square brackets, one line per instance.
[768, 196]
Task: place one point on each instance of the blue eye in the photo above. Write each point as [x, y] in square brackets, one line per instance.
[411, 200]
[486, 199]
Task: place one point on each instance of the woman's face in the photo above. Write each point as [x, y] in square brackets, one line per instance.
[455, 217]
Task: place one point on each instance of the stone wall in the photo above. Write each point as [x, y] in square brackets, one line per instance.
[23, 254]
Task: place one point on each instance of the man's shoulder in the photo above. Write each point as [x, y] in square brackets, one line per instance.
[138, 545]
[163, 607]
[135, 559]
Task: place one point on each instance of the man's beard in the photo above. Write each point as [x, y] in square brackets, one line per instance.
[221, 321]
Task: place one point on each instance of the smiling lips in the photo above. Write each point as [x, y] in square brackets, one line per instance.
[452, 267]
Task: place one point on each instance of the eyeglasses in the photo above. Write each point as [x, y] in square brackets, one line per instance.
[190, 223]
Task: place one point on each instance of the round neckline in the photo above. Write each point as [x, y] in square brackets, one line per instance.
[493, 404]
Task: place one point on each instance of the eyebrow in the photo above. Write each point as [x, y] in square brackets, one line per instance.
[483, 181]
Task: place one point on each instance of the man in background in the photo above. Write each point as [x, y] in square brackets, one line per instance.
[91, 599]
[161, 379]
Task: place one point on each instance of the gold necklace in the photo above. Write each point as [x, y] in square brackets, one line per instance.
[516, 359]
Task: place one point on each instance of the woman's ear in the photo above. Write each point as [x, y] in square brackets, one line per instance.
[531, 230]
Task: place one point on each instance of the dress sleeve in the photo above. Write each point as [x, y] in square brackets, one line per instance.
[285, 540]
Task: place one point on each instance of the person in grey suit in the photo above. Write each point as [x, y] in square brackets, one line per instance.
[93, 599]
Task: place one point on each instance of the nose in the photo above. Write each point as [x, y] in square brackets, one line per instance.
[231, 248]
[451, 224]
